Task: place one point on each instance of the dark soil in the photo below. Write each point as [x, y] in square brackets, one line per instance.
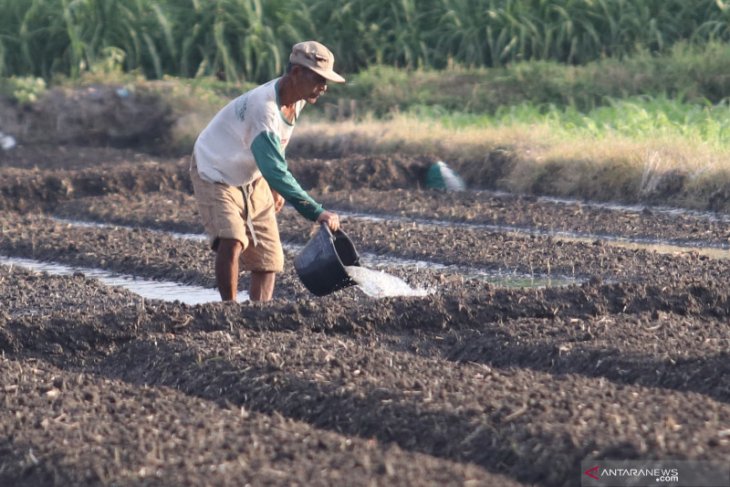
[473, 384]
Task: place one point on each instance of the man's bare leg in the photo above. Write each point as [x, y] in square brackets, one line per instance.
[262, 286]
[226, 267]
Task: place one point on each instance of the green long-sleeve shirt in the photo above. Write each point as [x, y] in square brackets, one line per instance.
[267, 151]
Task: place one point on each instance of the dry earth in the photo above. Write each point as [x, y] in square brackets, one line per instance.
[474, 384]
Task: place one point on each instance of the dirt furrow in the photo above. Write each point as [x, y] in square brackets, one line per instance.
[386, 185]
[464, 413]
[156, 255]
[479, 397]
[429, 405]
[531, 213]
[473, 384]
[449, 245]
[65, 318]
[73, 427]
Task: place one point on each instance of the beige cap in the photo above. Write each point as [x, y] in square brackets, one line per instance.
[315, 56]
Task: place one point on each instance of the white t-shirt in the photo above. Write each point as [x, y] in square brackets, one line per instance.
[223, 149]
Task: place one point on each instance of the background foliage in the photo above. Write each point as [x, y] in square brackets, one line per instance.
[248, 40]
[687, 73]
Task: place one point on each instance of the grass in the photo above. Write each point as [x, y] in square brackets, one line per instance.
[639, 118]
[642, 149]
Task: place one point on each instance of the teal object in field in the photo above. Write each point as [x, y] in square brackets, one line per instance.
[441, 176]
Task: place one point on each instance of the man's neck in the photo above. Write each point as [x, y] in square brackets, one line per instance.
[287, 97]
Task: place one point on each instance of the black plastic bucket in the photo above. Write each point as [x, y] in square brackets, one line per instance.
[321, 263]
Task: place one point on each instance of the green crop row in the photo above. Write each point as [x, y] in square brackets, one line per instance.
[250, 39]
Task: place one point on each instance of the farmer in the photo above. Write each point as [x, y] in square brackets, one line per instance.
[241, 178]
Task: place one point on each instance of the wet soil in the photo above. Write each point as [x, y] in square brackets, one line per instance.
[473, 384]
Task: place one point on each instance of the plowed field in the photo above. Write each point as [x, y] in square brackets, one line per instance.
[474, 384]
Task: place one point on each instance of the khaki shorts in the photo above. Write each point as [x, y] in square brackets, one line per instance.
[245, 214]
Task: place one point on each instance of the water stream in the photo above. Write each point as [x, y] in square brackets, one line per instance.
[378, 284]
[148, 289]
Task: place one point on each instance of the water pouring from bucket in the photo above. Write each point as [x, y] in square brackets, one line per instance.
[330, 262]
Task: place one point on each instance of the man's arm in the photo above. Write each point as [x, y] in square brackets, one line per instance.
[266, 149]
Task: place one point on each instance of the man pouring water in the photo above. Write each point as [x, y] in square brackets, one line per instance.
[241, 178]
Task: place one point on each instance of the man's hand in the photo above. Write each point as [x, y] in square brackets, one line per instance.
[278, 201]
[331, 219]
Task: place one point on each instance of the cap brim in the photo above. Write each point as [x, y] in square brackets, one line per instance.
[328, 75]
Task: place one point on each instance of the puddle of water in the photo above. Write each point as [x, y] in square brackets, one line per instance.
[378, 284]
[148, 289]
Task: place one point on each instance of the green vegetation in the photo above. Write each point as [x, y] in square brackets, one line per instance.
[689, 73]
[23, 90]
[638, 118]
[250, 39]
